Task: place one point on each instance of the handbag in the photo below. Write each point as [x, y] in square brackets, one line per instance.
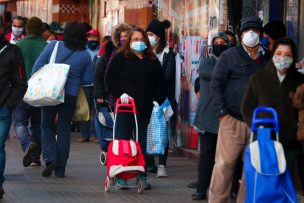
[106, 116]
[46, 86]
[82, 111]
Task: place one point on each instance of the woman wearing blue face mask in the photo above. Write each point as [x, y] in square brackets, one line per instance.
[135, 72]
[272, 87]
[156, 34]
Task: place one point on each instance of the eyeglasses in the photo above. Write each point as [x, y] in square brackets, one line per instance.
[138, 39]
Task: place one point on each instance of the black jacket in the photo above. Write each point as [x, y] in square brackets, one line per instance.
[265, 89]
[13, 83]
[141, 79]
[230, 78]
[169, 67]
[99, 88]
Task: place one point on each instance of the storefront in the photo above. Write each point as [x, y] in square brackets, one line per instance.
[193, 24]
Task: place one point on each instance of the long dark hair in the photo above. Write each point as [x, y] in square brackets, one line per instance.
[126, 49]
[74, 36]
[161, 45]
[293, 47]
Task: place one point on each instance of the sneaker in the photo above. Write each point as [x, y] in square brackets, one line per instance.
[36, 163]
[27, 159]
[48, 170]
[161, 172]
[121, 184]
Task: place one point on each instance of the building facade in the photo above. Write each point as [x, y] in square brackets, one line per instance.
[193, 24]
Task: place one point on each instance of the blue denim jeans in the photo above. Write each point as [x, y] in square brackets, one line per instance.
[87, 128]
[22, 114]
[5, 123]
[57, 150]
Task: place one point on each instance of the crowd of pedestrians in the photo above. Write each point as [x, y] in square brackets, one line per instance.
[255, 67]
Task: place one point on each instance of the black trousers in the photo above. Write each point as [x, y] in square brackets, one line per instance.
[206, 160]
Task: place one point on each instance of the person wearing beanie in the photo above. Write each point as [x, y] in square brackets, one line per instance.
[228, 84]
[31, 47]
[206, 122]
[156, 32]
[273, 31]
[11, 72]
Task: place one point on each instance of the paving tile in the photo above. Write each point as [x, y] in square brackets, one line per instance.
[85, 178]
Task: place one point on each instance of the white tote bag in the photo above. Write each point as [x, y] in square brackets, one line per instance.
[46, 86]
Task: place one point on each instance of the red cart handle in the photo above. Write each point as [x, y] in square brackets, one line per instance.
[125, 108]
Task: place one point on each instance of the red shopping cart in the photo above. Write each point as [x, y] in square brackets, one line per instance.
[125, 159]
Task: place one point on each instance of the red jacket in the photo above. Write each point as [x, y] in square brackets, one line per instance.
[9, 35]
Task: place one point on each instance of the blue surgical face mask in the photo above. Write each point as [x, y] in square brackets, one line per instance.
[152, 41]
[265, 42]
[138, 46]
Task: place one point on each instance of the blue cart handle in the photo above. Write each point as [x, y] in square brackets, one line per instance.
[260, 121]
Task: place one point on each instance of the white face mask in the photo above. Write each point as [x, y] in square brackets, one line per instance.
[251, 39]
[17, 30]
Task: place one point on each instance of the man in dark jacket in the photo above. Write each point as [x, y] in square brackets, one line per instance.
[31, 47]
[228, 84]
[12, 87]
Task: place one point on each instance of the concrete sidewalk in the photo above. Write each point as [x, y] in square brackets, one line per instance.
[85, 178]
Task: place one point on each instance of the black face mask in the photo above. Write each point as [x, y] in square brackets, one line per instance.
[218, 49]
[93, 44]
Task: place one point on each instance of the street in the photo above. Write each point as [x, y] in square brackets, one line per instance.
[84, 181]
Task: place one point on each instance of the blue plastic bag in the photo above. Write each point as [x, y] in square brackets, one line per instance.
[157, 130]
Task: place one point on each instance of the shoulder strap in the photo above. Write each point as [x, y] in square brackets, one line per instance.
[55, 51]
[3, 48]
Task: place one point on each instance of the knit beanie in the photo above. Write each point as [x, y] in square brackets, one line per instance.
[220, 35]
[251, 22]
[34, 26]
[158, 28]
[275, 29]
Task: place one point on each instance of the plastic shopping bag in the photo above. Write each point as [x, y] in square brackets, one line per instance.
[46, 86]
[157, 131]
[82, 111]
[167, 109]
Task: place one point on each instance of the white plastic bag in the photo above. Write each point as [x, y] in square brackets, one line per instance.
[46, 86]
